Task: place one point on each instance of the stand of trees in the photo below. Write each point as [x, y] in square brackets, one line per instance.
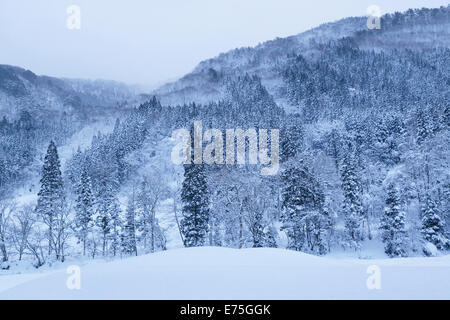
[364, 156]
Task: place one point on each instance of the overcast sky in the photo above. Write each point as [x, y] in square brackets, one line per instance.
[151, 41]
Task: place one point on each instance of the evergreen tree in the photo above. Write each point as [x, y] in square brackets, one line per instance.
[257, 230]
[108, 216]
[84, 209]
[318, 227]
[51, 197]
[195, 198]
[291, 141]
[446, 118]
[295, 197]
[129, 230]
[116, 228]
[334, 147]
[433, 229]
[393, 225]
[423, 126]
[352, 206]
[304, 216]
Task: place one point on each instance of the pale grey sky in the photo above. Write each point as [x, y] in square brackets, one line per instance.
[151, 41]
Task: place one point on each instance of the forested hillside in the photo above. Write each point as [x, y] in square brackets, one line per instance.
[364, 122]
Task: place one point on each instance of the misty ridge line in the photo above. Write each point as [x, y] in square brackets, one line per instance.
[213, 153]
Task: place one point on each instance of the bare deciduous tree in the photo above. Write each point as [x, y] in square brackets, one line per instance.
[6, 209]
[22, 225]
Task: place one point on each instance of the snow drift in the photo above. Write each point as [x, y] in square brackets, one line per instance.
[221, 273]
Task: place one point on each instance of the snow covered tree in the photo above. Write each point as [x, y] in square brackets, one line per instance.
[195, 198]
[294, 198]
[51, 198]
[423, 125]
[214, 234]
[23, 226]
[6, 209]
[304, 216]
[319, 225]
[393, 225]
[433, 229]
[84, 209]
[446, 118]
[229, 187]
[352, 207]
[129, 230]
[256, 228]
[108, 217]
[150, 193]
[259, 209]
[291, 140]
[270, 237]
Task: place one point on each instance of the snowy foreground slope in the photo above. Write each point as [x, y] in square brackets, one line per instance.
[221, 273]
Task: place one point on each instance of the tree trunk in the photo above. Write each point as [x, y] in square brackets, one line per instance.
[4, 252]
[176, 219]
[241, 229]
[153, 231]
[50, 236]
[104, 244]
[84, 246]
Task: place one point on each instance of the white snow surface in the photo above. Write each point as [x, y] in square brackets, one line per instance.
[224, 273]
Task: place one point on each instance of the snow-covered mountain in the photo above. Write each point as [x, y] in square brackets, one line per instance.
[414, 29]
[363, 117]
[21, 90]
